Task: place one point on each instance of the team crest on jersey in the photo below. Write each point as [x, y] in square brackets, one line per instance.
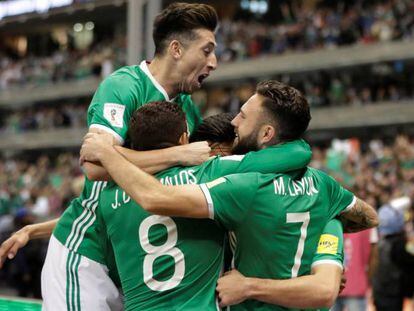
[328, 244]
[114, 113]
[215, 182]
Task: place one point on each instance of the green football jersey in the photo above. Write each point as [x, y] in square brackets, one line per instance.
[330, 247]
[169, 263]
[117, 97]
[277, 220]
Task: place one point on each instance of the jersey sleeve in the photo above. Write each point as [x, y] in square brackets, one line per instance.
[341, 199]
[331, 245]
[276, 159]
[230, 198]
[114, 102]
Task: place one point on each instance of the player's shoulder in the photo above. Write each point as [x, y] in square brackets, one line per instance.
[124, 77]
[169, 171]
[319, 174]
[128, 71]
[252, 179]
[213, 160]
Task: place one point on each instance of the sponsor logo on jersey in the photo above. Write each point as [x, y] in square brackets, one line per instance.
[328, 244]
[114, 113]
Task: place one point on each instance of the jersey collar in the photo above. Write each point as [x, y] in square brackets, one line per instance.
[145, 69]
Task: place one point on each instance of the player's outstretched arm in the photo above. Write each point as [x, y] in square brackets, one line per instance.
[151, 162]
[155, 161]
[19, 239]
[184, 201]
[360, 216]
[318, 290]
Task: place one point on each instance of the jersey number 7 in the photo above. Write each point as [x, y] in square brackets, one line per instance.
[304, 218]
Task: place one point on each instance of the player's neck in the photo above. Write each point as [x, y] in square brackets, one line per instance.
[161, 71]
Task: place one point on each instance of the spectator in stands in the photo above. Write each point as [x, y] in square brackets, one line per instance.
[387, 282]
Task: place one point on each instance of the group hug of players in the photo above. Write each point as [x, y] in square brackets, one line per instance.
[135, 241]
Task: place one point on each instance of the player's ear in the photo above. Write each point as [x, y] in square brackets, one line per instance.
[183, 139]
[267, 134]
[175, 49]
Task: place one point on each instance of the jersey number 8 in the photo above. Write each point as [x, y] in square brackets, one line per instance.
[155, 251]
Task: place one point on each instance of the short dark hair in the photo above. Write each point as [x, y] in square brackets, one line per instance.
[156, 125]
[287, 107]
[217, 129]
[181, 19]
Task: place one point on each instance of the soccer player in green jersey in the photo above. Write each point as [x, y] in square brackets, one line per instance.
[317, 290]
[184, 56]
[185, 278]
[277, 218]
[195, 288]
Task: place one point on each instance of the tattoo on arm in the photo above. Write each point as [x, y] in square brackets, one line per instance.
[351, 226]
[360, 217]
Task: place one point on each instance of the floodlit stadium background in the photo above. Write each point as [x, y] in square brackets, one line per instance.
[354, 60]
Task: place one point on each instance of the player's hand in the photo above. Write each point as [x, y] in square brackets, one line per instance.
[194, 153]
[343, 282]
[9, 248]
[94, 146]
[231, 288]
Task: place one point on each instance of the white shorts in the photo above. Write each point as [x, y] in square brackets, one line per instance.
[76, 283]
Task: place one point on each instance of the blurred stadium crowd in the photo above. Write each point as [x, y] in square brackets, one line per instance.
[32, 192]
[99, 60]
[46, 117]
[302, 27]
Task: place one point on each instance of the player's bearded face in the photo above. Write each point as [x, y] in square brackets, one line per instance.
[198, 61]
[247, 125]
[247, 143]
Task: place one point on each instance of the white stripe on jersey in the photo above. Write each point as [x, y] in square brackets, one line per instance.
[235, 157]
[327, 262]
[77, 220]
[108, 130]
[209, 200]
[91, 219]
[80, 230]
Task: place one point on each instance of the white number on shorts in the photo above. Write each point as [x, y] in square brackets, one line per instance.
[154, 251]
[304, 219]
